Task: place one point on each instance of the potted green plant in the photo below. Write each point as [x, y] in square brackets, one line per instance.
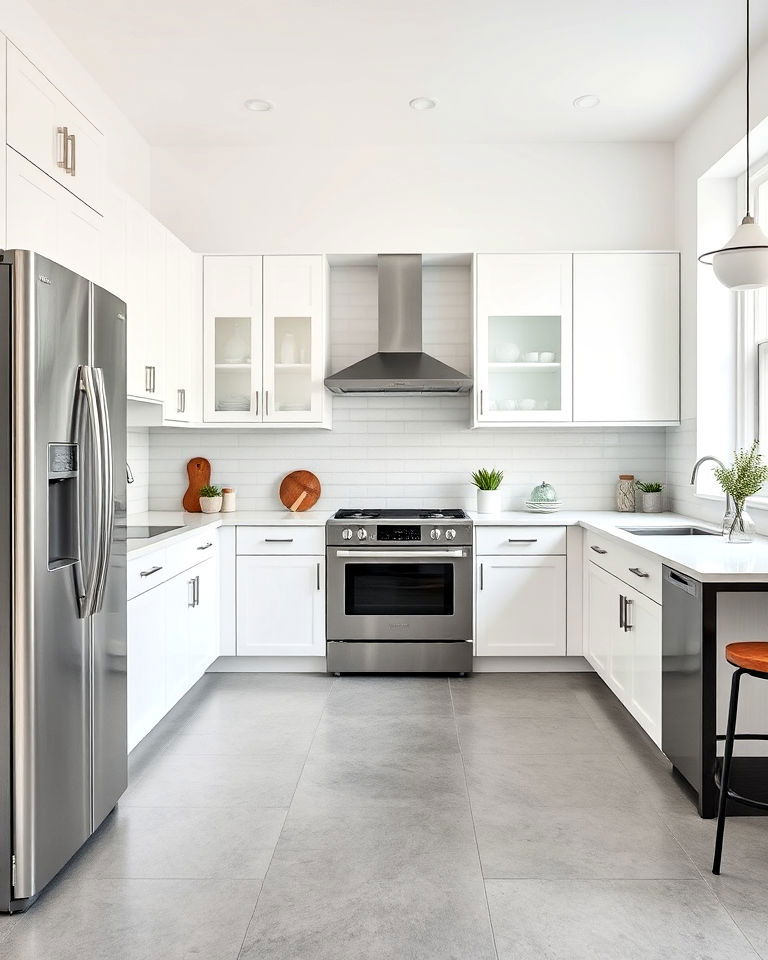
[743, 479]
[488, 493]
[651, 499]
[210, 498]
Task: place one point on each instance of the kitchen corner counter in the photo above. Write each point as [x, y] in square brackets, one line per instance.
[189, 524]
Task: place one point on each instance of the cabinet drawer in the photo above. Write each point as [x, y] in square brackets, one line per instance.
[147, 571]
[304, 541]
[192, 550]
[639, 569]
[521, 541]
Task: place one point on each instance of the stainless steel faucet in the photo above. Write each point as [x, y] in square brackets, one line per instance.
[128, 473]
[728, 502]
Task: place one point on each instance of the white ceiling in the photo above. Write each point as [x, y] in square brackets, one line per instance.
[343, 71]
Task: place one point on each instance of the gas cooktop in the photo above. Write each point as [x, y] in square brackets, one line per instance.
[421, 514]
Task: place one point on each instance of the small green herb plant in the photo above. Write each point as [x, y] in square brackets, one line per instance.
[652, 486]
[211, 490]
[745, 477]
[485, 479]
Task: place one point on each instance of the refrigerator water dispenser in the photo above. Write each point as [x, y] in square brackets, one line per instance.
[62, 505]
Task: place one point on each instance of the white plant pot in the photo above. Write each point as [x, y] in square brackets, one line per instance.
[653, 502]
[489, 501]
[210, 504]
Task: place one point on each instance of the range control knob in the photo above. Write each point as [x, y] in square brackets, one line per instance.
[346, 534]
[435, 533]
[362, 533]
[450, 534]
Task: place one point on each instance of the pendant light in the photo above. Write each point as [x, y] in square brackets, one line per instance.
[742, 264]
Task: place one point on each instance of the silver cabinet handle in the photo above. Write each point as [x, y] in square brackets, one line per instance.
[266, 403]
[205, 546]
[197, 591]
[154, 379]
[183, 399]
[62, 161]
[481, 403]
[278, 540]
[191, 586]
[523, 540]
[72, 166]
[598, 550]
[621, 612]
[627, 604]
[148, 573]
[318, 575]
[638, 572]
[179, 402]
[256, 411]
[481, 576]
[148, 379]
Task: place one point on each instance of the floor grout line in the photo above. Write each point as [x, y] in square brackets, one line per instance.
[472, 817]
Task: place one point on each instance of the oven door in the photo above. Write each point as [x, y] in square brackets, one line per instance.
[390, 593]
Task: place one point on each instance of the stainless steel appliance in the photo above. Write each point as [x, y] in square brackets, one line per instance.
[400, 364]
[62, 568]
[399, 591]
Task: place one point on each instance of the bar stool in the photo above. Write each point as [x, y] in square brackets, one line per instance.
[751, 658]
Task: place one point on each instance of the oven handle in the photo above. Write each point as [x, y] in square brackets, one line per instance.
[404, 554]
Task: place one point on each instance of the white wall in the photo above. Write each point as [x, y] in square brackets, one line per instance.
[450, 197]
[712, 135]
[128, 154]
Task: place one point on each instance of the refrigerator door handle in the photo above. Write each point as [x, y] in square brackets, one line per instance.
[89, 580]
[106, 511]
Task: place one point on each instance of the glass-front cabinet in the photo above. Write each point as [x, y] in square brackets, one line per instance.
[265, 339]
[524, 333]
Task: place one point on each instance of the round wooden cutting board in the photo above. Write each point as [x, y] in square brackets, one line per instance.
[299, 490]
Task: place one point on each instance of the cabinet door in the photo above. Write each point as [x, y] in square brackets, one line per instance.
[521, 606]
[180, 624]
[232, 362]
[146, 663]
[138, 373]
[523, 338]
[204, 636]
[626, 320]
[644, 620]
[601, 613]
[182, 334]
[44, 217]
[114, 244]
[294, 339]
[280, 606]
[155, 306]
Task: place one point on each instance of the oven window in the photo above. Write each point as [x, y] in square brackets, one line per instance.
[408, 589]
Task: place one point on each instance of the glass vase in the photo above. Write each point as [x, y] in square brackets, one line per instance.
[738, 526]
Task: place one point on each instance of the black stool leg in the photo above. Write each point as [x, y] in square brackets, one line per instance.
[726, 771]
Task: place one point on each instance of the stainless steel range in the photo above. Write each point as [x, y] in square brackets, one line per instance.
[399, 594]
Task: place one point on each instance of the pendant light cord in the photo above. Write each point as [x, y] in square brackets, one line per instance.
[749, 213]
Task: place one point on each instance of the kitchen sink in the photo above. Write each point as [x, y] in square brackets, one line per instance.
[669, 531]
[146, 533]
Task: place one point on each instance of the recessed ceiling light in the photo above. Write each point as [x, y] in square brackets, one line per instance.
[586, 102]
[258, 106]
[422, 103]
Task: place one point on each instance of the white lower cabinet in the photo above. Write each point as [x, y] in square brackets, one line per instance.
[622, 641]
[281, 606]
[173, 637]
[521, 606]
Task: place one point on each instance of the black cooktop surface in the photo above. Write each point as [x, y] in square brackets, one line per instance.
[437, 514]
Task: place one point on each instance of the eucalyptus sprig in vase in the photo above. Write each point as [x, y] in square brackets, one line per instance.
[743, 479]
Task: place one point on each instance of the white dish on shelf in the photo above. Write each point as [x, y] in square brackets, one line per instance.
[543, 506]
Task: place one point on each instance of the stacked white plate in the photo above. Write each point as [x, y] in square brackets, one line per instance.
[543, 506]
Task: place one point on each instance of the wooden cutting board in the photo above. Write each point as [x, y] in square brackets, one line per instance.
[300, 490]
[199, 473]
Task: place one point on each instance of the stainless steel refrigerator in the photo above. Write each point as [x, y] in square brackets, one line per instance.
[62, 567]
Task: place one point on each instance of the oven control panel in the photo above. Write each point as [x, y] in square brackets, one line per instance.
[398, 533]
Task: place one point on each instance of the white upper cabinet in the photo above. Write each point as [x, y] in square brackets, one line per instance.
[264, 340]
[43, 217]
[45, 127]
[183, 334]
[232, 339]
[293, 338]
[626, 319]
[523, 338]
[145, 285]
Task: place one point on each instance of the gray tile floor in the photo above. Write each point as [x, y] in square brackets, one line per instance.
[502, 817]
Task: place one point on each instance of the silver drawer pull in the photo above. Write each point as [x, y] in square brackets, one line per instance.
[148, 573]
[278, 540]
[638, 572]
[528, 540]
[598, 550]
[205, 546]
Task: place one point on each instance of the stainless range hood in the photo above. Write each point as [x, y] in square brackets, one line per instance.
[400, 364]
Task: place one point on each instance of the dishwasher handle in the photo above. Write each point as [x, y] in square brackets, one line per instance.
[680, 581]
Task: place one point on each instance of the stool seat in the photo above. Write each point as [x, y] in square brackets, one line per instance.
[748, 656]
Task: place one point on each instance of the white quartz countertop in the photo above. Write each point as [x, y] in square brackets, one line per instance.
[709, 559]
